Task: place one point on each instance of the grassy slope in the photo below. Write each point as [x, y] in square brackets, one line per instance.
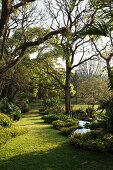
[43, 148]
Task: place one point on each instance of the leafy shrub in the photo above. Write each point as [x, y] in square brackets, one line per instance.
[51, 102]
[58, 124]
[16, 115]
[93, 125]
[56, 109]
[93, 140]
[67, 130]
[53, 106]
[5, 120]
[107, 117]
[10, 109]
[6, 107]
[79, 113]
[8, 133]
[52, 117]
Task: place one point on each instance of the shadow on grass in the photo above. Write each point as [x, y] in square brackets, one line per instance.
[65, 157]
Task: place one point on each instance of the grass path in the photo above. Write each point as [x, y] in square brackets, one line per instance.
[43, 148]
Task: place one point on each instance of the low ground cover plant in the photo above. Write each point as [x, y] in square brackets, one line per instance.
[8, 133]
[5, 120]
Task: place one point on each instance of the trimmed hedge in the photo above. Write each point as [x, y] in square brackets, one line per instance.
[93, 140]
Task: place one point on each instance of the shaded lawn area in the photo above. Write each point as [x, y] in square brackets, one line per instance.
[43, 148]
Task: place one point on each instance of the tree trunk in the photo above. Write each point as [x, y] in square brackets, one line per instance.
[67, 92]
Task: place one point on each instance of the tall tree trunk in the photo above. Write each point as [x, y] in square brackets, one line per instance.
[67, 92]
[110, 74]
[108, 68]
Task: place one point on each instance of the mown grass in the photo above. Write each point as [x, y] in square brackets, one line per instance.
[43, 148]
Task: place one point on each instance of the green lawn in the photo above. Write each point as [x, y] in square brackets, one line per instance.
[43, 148]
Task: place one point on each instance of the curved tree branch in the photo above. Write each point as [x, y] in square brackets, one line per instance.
[23, 48]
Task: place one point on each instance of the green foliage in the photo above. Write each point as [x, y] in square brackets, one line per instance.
[6, 107]
[5, 120]
[93, 140]
[51, 102]
[60, 123]
[53, 117]
[53, 106]
[50, 118]
[68, 130]
[79, 113]
[94, 125]
[87, 114]
[100, 29]
[10, 109]
[107, 117]
[91, 90]
[16, 115]
[8, 133]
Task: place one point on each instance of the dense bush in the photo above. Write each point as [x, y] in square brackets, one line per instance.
[10, 109]
[94, 125]
[79, 114]
[68, 130]
[69, 122]
[53, 106]
[58, 124]
[51, 102]
[8, 133]
[52, 117]
[16, 115]
[88, 114]
[93, 140]
[107, 117]
[5, 120]
[6, 107]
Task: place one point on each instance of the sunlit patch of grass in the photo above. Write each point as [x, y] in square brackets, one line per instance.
[43, 148]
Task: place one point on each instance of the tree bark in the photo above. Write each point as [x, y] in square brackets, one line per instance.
[67, 92]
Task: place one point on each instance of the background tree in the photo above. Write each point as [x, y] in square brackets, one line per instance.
[92, 90]
[16, 16]
[74, 17]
